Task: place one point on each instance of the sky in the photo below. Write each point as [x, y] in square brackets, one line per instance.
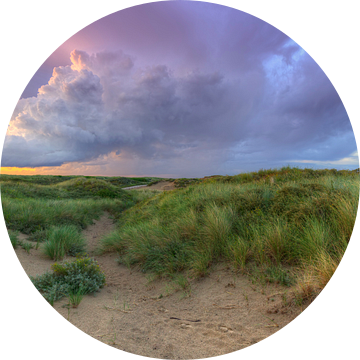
[178, 89]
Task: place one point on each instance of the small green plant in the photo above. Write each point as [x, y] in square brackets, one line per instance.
[26, 246]
[63, 240]
[68, 278]
[75, 297]
[239, 253]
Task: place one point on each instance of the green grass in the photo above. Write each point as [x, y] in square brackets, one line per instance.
[51, 180]
[32, 204]
[289, 226]
[276, 228]
[34, 215]
[63, 240]
[53, 210]
[77, 188]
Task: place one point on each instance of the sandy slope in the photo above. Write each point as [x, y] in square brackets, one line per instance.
[222, 313]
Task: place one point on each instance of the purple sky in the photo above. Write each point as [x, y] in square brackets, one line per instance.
[179, 89]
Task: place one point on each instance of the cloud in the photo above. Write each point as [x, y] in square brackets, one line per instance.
[277, 107]
[101, 103]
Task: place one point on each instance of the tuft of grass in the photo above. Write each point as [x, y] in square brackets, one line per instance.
[316, 274]
[217, 225]
[239, 253]
[26, 246]
[63, 240]
[75, 297]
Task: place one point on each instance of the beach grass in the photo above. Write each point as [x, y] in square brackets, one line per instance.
[297, 224]
[289, 225]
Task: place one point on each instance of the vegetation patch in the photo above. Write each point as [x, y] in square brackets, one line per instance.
[288, 226]
[75, 279]
[273, 224]
[63, 240]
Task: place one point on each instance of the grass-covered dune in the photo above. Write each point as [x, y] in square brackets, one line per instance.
[35, 203]
[53, 210]
[77, 188]
[288, 225]
[55, 179]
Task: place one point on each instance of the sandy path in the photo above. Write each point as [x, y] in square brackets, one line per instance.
[134, 314]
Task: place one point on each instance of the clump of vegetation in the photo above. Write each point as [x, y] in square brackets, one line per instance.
[63, 240]
[73, 279]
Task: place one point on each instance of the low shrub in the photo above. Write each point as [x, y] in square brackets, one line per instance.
[79, 277]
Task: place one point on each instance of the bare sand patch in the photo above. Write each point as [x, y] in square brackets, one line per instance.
[222, 313]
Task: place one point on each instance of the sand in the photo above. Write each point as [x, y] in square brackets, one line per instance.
[222, 313]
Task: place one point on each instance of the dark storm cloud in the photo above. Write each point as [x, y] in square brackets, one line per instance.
[104, 103]
[90, 109]
[217, 91]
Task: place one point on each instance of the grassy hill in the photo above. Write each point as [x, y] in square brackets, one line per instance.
[288, 225]
[32, 204]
